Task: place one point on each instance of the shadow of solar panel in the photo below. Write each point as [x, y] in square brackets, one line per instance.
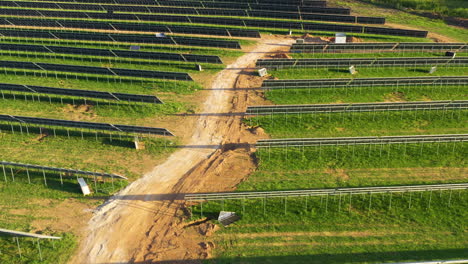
[81, 93]
[86, 125]
[33, 22]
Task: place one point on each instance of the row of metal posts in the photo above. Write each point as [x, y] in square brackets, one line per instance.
[45, 179]
[285, 199]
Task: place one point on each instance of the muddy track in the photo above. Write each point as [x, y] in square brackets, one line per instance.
[144, 222]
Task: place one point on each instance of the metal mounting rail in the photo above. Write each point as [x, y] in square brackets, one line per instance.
[61, 170]
[24, 234]
[364, 82]
[343, 141]
[322, 192]
[360, 107]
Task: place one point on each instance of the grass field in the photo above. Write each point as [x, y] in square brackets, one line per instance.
[366, 94]
[366, 72]
[385, 123]
[456, 8]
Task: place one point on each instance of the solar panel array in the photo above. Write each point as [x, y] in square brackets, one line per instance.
[225, 11]
[69, 22]
[200, 197]
[344, 141]
[364, 82]
[24, 120]
[190, 19]
[363, 62]
[375, 47]
[112, 53]
[115, 37]
[80, 93]
[61, 170]
[360, 107]
[37, 66]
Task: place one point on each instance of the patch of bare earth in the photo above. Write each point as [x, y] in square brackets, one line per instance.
[145, 222]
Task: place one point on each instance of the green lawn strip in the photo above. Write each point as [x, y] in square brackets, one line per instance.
[366, 72]
[381, 123]
[404, 18]
[266, 180]
[52, 251]
[104, 154]
[98, 82]
[111, 62]
[125, 46]
[98, 111]
[363, 156]
[455, 8]
[337, 234]
[366, 94]
[374, 54]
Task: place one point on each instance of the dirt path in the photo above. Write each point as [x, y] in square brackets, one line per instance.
[140, 223]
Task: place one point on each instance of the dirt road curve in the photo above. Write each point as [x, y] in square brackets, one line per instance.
[140, 224]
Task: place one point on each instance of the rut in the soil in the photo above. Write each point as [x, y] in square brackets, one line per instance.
[143, 222]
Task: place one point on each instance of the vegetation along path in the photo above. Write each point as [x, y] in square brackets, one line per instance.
[142, 223]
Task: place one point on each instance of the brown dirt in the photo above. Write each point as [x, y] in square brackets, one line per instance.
[144, 222]
[79, 112]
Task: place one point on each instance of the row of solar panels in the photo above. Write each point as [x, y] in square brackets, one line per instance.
[24, 120]
[95, 70]
[80, 93]
[187, 11]
[209, 20]
[361, 107]
[196, 3]
[391, 46]
[60, 170]
[190, 19]
[318, 142]
[365, 62]
[142, 27]
[125, 38]
[111, 53]
[180, 5]
[364, 82]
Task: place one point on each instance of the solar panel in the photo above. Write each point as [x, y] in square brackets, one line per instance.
[80, 93]
[111, 53]
[96, 70]
[85, 125]
[391, 46]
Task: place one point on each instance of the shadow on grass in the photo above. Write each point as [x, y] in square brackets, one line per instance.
[365, 257]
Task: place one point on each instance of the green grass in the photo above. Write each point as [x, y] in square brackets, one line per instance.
[365, 72]
[334, 230]
[102, 83]
[404, 18]
[340, 235]
[383, 123]
[366, 94]
[456, 8]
